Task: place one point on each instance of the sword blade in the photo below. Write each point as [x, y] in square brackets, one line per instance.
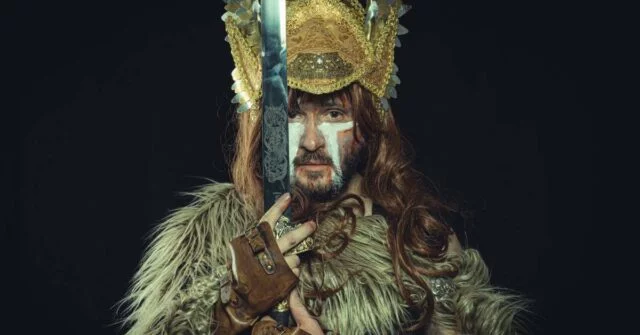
[275, 121]
[275, 137]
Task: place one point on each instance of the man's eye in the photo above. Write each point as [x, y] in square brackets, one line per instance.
[293, 113]
[335, 114]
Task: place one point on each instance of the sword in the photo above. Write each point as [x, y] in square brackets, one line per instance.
[275, 133]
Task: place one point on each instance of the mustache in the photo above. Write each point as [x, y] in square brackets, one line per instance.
[314, 157]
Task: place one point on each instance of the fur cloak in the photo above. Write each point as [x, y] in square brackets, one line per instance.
[176, 285]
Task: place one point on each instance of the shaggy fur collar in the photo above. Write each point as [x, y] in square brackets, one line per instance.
[176, 285]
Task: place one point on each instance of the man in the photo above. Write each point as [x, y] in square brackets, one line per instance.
[382, 262]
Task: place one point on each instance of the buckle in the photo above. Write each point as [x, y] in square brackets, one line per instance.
[266, 260]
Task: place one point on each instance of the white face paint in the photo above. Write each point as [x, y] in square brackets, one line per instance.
[296, 130]
[329, 131]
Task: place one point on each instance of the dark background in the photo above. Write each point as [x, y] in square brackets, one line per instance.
[123, 105]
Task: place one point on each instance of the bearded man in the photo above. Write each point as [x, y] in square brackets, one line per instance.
[382, 261]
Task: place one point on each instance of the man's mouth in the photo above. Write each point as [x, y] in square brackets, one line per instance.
[313, 166]
[313, 163]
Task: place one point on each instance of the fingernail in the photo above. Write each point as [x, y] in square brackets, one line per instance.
[284, 196]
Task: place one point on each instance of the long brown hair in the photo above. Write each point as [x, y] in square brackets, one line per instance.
[389, 180]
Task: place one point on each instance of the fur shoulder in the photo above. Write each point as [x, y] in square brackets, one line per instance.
[368, 300]
[184, 248]
[483, 308]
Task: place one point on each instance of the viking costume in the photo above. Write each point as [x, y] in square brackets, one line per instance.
[210, 269]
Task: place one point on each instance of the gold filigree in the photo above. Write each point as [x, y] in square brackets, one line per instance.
[326, 26]
[282, 306]
[320, 66]
[330, 31]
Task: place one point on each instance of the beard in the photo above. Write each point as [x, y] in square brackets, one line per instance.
[315, 189]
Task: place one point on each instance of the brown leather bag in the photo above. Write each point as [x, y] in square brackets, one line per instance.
[261, 279]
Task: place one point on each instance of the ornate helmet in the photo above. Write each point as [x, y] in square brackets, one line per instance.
[330, 44]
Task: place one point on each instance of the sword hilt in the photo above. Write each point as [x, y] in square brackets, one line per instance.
[281, 313]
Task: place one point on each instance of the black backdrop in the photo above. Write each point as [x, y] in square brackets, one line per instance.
[122, 106]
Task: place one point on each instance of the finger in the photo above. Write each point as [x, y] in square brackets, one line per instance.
[298, 310]
[301, 315]
[296, 271]
[292, 238]
[293, 261]
[275, 212]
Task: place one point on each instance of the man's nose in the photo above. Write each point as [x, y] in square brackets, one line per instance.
[312, 139]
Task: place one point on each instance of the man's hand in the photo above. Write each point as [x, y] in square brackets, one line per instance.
[292, 238]
[261, 274]
[306, 324]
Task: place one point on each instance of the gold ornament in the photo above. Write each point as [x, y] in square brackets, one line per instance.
[283, 226]
[330, 44]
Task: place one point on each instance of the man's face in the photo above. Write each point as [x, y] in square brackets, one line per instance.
[323, 151]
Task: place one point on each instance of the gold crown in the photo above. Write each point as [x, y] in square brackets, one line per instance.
[330, 44]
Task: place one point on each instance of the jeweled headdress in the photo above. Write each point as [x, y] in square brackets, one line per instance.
[331, 44]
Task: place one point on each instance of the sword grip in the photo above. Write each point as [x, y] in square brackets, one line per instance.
[281, 317]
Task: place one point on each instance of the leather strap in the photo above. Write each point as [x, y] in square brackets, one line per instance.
[255, 239]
